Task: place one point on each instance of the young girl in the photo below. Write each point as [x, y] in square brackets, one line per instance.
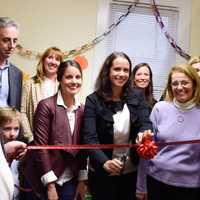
[10, 128]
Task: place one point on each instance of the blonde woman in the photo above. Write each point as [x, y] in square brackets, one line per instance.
[195, 63]
[43, 85]
[174, 172]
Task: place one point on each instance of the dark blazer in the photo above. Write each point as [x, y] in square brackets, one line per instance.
[51, 127]
[98, 125]
[15, 78]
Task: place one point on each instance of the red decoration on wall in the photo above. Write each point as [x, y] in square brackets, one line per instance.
[82, 61]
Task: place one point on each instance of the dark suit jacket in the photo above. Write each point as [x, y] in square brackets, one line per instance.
[51, 127]
[15, 78]
[98, 126]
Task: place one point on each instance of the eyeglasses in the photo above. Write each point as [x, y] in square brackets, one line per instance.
[183, 83]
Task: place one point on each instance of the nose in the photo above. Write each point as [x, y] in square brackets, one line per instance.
[12, 44]
[74, 80]
[142, 76]
[12, 133]
[121, 73]
[179, 86]
[55, 61]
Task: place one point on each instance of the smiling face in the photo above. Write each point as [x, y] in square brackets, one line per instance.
[71, 81]
[8, 41]
[119, 72]
[51, 63]
[182, 87]
[142, 77]
[10, 130]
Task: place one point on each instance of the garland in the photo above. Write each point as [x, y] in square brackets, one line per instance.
[82, 49]
[167, 35]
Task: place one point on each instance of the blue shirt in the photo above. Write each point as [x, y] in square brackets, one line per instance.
[4, 85]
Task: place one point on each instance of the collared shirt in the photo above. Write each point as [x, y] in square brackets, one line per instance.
[4, 85]
[121, 128]
[67, 174]
[70, 111]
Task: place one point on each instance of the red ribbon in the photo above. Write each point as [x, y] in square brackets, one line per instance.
[106, 146]
[82, 146]
[147, 149]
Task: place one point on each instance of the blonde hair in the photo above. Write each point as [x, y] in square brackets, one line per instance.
[194, 60]
[8, 114]
[40, 74]
[189, 71]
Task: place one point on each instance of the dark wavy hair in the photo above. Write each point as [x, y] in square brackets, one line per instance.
[148, 91]
[103, 84]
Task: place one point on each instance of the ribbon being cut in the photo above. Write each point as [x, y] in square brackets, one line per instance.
[146, 149]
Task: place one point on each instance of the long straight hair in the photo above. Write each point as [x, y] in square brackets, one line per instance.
[148, 91]
[103, 84]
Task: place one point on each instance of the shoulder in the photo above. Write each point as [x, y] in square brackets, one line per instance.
[135, 98]
[163, 104]
[30, 85]
[49, 102]
[94, 97]
[164, 107]
[29, 82]
[14, 68]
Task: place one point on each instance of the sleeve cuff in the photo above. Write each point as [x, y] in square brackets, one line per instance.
[48, 178]
[83, 175]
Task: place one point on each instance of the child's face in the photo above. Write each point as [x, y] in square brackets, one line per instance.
[11, 130]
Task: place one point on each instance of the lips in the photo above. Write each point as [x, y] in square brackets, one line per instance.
[74, 87]
[8, 52]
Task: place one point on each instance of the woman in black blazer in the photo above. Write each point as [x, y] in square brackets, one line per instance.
[114, 114]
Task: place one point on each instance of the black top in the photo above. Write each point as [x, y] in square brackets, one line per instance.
[98, 124]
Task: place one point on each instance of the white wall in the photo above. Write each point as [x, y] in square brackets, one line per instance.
[67, 24]
[71, 23]
[195, 28]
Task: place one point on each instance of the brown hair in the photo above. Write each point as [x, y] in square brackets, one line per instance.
[148, 91]
[103, 84]
[8, 114]
[40, 74]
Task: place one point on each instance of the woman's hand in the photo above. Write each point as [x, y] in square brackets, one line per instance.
[141, 196]
[51, 192]
[81, 190]
[146, 135]
[113, 166]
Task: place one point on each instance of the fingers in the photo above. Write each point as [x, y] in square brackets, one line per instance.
[146, 135]
[113, 166]
[15, 149]
[20, 153]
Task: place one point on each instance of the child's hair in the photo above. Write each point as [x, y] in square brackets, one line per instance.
[7, 114]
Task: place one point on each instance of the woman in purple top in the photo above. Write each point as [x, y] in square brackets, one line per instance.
[174, 173]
